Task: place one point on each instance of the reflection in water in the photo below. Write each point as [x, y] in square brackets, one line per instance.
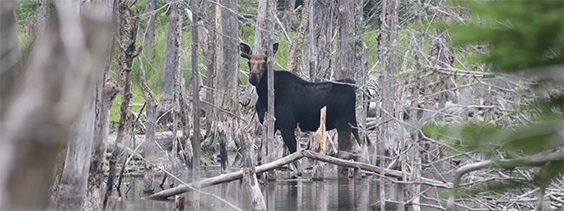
[283, 194]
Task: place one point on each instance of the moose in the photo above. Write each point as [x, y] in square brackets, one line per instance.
[297, 101]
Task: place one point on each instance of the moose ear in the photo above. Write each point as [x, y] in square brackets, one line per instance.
[274, 48]
[245, 51]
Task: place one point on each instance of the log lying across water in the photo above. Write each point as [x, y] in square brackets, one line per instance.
[289, 159]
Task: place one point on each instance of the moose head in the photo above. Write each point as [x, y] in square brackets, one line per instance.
[257, 62]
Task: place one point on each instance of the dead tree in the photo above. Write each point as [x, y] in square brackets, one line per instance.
[388, 45]
[295, 57]
[196, 107]
[345, 43]
[209, 49]
[318, 53]
[149, 41]
[11, 56]
[150, 146]
[106, 92]
[39, 117]
[128, 36]
[171, 63]
[288, 17]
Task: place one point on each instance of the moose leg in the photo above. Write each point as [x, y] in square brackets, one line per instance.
[290, 141]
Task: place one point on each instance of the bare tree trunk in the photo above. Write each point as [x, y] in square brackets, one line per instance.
[171, 63]
[107, 90]
[320, 144]
[150, 29]
[345, 43]
[196, 107]
[319, 43]
[72, 187]
[269, 138]
[51, 93]
[295, 57]
[177, 92]
[288, 18]
[128, 36]
[388, 45]
[361, 77]
[414, 118]
[150, 125]
[209, 49]
[261, 33]
[41, 17]
[10, 52]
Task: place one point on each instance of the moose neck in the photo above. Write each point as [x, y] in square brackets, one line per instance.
[262, 86]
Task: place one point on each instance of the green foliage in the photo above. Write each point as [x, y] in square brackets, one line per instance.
[519, 34]
[521, 37]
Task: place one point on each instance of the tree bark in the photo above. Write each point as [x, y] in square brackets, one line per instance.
[320, 143]
[388, 45]
[128, 36]
[106, 92]
[269, 138]
[196, 107]
[171, 63]
[345, 43]
[41, 17]
[10, 52]
[38, 119]
[288, 18]
[295, 56]
[150, 146]
[209, 49]
[150, 29]
[72, 187]
[319, 43]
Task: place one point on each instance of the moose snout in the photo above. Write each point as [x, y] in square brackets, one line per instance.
[254, 78]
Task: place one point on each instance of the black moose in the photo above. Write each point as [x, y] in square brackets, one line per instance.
[297, 101]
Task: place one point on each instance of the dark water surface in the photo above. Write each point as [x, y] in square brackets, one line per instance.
[283, 194]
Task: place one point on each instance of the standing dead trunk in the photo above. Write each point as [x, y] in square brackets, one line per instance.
[361, 78]
[149, 144]
[107, 90]
[318, 57]
[388, 45]
[10, 52]
[345, 43]
[171, 63]
[72, 187]
[288, 18]
[179, 42]
[295, 57]
[40, 115]
[320, 144]
[196, 107]
[416, 169]
[128, 36]
[209, 49]
[150, 29]
[269, 138]
[249, 174]
[41, 17]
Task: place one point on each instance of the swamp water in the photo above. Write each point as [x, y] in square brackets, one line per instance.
[283, 194]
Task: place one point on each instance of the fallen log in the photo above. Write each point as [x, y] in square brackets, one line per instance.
[286, 160]
[225, 177]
